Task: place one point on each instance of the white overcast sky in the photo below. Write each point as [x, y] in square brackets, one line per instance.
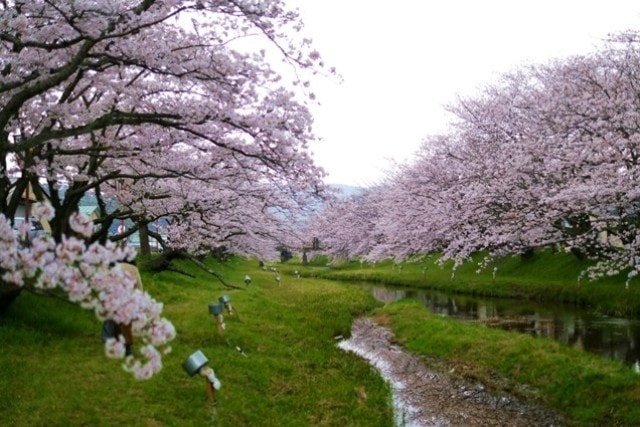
[403, 60]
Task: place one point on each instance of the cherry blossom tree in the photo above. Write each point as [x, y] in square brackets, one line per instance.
[546, 156]
[345, 227]
[160, 105]
[593, 102]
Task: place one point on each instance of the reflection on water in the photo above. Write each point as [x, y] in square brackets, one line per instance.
[614, 338]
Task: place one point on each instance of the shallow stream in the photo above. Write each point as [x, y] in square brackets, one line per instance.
[424, 397]
[610, 337]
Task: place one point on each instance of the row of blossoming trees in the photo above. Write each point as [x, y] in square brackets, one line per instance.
[156, 104]
[548, 155]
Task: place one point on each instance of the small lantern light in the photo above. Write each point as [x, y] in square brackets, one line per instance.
[197, 364]
[297, 274]
[194, 363]
[225, 300]
[216, 309]
[278, 280]
[247, 280]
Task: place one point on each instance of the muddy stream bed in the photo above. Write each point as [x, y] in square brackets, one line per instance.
[424, 396]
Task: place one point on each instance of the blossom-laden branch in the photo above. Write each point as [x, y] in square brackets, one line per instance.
[89, 276]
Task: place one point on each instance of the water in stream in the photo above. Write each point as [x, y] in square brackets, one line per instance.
[614, 338]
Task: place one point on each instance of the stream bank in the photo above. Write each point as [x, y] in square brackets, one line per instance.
[423, 396]
[612, 338]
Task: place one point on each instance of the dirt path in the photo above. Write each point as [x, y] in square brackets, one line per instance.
[424, 397]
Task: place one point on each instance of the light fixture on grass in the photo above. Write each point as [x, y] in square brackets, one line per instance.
[225, 300]
[216, 309]
[197, 364]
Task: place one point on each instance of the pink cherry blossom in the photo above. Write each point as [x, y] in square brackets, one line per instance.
[159, 115]
[96, 285]
[546, 157]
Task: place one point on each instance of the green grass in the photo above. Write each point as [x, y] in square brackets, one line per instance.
[53, 372]
[547, 276]
[587, 389]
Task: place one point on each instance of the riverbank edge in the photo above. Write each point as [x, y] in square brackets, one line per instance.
[546, 276]
[425, 394]
[585, 388]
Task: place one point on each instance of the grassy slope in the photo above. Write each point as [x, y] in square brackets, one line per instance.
[547, 276]
[587, 389]
[53, 372]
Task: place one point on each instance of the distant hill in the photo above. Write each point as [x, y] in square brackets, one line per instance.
[345, 191]
[341, 191]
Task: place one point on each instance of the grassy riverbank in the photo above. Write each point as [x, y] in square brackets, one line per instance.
[53, 372]
[587, 389]
[545, 276]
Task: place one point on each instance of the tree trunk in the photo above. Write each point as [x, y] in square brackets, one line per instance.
[8, 293]
[163, 261]
[143, 232]
[578, 253]
[528, 254]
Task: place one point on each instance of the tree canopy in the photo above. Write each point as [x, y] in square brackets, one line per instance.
[546, 156]
[154, 104]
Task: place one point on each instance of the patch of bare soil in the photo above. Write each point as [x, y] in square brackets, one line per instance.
[423, 396]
